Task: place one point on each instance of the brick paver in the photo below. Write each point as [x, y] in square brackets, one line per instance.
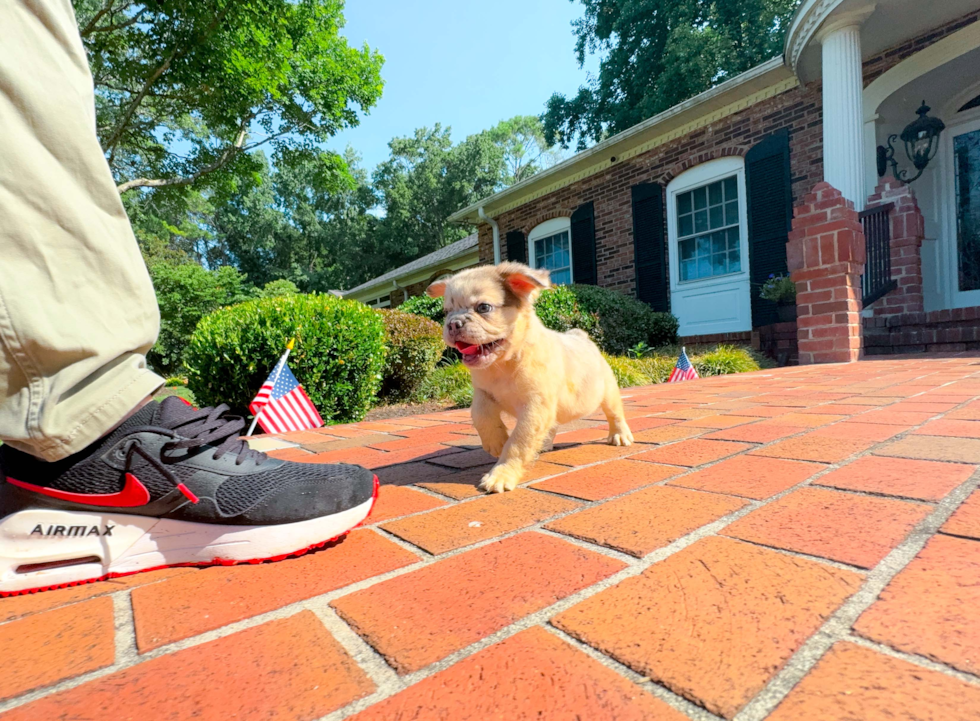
[713, 622]
[532, 675]
[845, 527]
[851, 682]
[930, 608]
[735, 510]
[421, 617]
[646, 520]
[924, 480]
[290, 669]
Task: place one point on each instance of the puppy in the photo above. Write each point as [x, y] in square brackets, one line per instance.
[541, 377]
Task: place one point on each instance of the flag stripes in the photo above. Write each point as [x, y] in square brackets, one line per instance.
[281, 405]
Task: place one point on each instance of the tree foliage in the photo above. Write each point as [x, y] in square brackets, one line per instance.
[185, 88]
[657, 53]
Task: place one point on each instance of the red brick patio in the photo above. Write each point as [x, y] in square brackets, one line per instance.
[791, 544]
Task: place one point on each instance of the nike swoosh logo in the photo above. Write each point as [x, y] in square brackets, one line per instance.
[133, 494]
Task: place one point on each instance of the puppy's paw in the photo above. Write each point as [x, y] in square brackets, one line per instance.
[499, 480]
[494, 446]
[620, 437]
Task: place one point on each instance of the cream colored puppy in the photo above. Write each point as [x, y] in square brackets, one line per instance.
[541, 377]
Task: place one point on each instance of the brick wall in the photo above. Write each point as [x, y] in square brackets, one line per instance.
[907, 227]
[797, 109]
[779, 342]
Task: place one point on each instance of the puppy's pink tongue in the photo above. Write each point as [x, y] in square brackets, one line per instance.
[467, 349]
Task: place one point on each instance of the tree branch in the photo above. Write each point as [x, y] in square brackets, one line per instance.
[226, 155]
[119, 26]
[95, 18]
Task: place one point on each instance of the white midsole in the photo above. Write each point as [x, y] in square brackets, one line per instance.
[136, 543]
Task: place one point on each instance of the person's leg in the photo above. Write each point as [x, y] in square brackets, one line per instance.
[170, 484]
[77, 310]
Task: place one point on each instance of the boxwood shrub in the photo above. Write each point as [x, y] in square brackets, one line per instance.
[414, 348]
[614, 321]
[339, 354]
[424, 306]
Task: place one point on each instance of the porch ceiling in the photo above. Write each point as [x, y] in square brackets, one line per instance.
[890, 23]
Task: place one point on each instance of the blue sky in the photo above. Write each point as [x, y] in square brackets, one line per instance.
[461, 63]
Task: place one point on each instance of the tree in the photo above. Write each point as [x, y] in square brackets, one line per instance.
[525, 150]
[426, 180]
[658, 53]
[186, 88]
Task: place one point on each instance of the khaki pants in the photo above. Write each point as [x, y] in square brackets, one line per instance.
[77, 310]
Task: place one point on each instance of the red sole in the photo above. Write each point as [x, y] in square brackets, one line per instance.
[215, 562]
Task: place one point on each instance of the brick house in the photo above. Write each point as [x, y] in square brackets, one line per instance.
[777, 171]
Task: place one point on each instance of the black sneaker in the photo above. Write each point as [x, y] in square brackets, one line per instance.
[172, 486]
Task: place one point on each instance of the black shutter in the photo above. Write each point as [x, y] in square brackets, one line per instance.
[770, 205]
[516, 247]
[583, 246]
[648, 245]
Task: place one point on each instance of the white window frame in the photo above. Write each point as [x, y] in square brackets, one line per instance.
[546, 230]
[705, 174]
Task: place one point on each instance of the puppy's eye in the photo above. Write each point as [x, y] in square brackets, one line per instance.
[484, 308]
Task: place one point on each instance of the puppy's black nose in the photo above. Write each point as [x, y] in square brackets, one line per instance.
[455, 325]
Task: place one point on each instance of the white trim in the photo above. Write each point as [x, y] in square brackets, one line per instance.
[545, 230]
[949, 238]
[735, 286]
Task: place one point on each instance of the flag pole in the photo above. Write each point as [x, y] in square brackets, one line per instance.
[281, 365]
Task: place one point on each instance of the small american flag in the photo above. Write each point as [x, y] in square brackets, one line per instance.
[282, 405]
[683, 371]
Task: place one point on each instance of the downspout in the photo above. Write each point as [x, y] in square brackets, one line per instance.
[496, 234]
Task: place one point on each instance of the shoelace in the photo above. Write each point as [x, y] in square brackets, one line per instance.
[210, 426]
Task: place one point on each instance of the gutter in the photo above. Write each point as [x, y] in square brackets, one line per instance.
[496, 234]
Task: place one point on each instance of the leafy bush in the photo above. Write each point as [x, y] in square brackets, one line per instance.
[559, 309]
[614, 321]
[414, 348]
[338, 357]
[276, 288]
[424, 306]
[449, 382]
[779, 289]
[656, 367]
[186, 292]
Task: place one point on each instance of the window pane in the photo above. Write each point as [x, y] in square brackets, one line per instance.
[731, 188]
[719, 243]
[733, 243]
[687, 249]
[700, 221]
[688, 270]
[704, 245]
[685, 225]
[561, 277]
[719, 264]
[734, 264]
[683, 203]
[704, 267]
[731, 212]
[714, 193]
[700, 198]
[716, 217]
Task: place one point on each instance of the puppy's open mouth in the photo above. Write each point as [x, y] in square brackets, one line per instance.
[475, 353]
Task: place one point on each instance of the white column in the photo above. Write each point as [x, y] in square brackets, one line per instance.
[843, 117]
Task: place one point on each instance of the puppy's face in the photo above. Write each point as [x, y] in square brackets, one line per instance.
[484, 310]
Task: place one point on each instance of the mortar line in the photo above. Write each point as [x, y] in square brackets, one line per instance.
[913, 658]
[838, 625]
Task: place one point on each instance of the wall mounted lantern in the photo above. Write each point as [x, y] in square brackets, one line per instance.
[921, 138]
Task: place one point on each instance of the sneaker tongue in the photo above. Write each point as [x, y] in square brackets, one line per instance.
[172, 410]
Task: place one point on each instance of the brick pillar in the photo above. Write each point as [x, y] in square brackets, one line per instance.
[907, 232]
[825, 254]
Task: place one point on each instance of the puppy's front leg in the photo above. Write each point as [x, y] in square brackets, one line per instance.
[486, 419]
[533, 425]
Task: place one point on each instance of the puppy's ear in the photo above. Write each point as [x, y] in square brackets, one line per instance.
[524, 281]
[436, 290]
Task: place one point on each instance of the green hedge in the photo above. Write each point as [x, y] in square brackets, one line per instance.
[424, 306]
[414, 348]
[339, 354]
[614, 321]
